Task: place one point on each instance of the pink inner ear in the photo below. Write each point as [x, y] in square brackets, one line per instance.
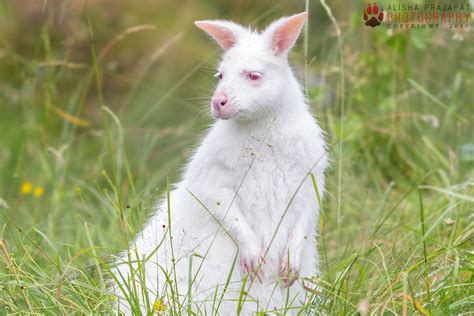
[222, 35]
[285, 35]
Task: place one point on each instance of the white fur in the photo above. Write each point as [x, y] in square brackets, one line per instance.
[249, 174]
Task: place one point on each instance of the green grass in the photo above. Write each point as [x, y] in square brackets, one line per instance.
[102, 115]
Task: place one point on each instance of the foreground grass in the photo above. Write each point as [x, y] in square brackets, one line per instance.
[396, 226]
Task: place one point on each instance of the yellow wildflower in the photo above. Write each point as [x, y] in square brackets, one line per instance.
[26, 187]
[38, 191]
[159, 306]
[113, 297]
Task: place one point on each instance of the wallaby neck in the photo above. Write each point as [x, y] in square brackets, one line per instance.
[275, 124]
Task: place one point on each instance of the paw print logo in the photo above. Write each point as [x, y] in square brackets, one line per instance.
[372, 16]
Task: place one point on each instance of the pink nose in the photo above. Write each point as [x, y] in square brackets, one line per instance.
[221, 106]
[219, 100]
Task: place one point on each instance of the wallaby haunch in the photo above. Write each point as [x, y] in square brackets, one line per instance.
[243, 219]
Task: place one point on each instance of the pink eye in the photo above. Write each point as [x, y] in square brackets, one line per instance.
[254, 76]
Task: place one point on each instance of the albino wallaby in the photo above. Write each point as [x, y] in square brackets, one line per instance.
[243, 218]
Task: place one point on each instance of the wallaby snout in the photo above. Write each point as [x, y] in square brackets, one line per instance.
[221, 107]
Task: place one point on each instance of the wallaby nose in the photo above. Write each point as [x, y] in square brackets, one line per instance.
[221, 106]
[219, 100]
[223, 100]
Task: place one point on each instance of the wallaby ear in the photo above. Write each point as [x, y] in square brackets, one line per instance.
[283, 33]
[225, 33]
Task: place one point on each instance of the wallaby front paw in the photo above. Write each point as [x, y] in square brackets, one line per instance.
[289, 271]
[252, 261]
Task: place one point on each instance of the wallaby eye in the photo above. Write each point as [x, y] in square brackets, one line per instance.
[254, 75]
[218, 75]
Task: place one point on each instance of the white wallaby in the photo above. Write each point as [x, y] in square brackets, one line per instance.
[243, 219]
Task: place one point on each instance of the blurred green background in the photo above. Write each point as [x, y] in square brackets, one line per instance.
[102, 101]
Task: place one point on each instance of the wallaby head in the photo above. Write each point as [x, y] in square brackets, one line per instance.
[254, 75]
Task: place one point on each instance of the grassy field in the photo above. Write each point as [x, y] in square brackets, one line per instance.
[102, 101]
